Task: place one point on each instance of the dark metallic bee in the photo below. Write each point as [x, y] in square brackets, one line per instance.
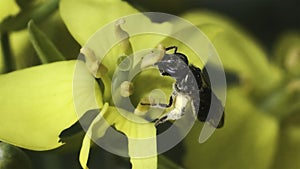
[192, 85]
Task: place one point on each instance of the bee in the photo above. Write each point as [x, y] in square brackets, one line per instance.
[192, 85]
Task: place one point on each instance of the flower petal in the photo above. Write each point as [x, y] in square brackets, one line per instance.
[141, 137]
[145, 163]
[37, 103]
[8, 7]
[86, 144]
[85, 151]
[85, 17]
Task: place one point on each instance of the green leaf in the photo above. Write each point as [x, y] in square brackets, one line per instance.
[13, 157]
[248, 139]
[23, 52]
[57, 32]
[84, 17]
[46, 50]
[36, 13]
[37, 103]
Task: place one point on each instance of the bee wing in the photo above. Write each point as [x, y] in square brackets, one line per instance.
[195, 103]
[216, 112]
[208, 108]
[205, 77]
[215, 119]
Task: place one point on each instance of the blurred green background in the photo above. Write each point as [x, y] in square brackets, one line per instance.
[267, 21]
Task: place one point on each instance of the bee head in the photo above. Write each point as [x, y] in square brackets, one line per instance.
[174, 65]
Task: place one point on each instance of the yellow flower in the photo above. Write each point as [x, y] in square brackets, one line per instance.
[37, 103]
[101, 92]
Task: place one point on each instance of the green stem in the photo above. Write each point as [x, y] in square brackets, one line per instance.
[6, 52]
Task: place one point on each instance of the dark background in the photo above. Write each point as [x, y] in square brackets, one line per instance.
[266, 20]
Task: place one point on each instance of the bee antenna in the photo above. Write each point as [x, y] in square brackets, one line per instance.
[172, 47]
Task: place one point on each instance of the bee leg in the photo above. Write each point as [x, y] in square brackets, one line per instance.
[160, 105]
[175, 114]
[161, 120]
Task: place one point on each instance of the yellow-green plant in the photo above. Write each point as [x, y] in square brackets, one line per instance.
[37, 103]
